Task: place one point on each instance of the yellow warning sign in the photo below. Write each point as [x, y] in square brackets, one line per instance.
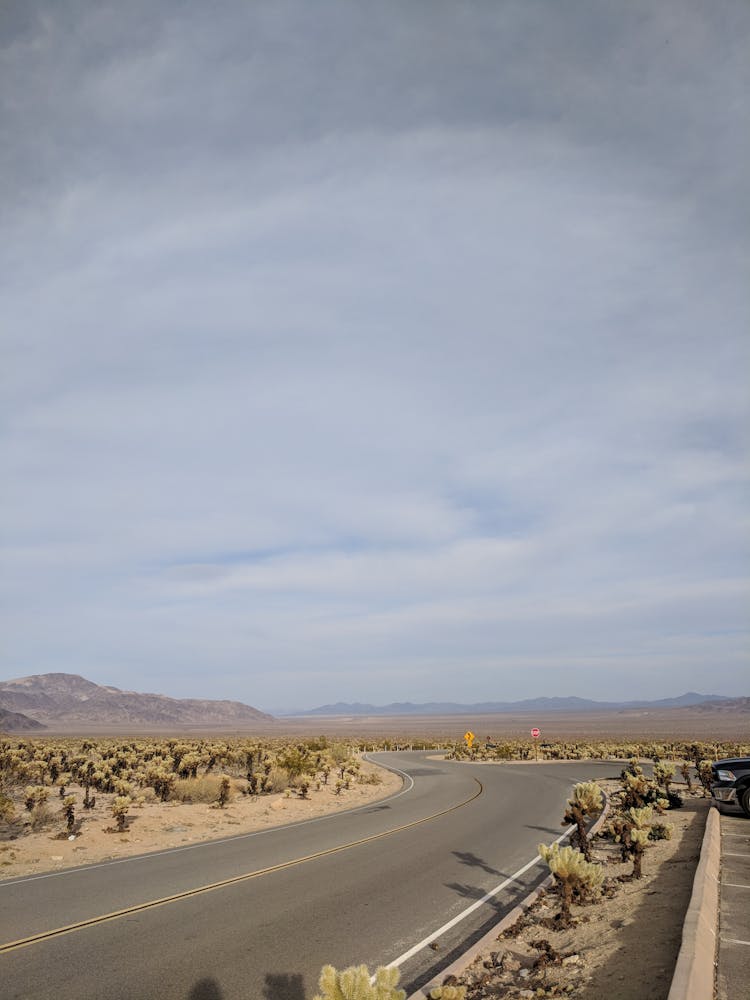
[469, 737]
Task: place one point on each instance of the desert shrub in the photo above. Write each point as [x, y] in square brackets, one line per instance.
[41, 817]
[206, 788]
[296, 761]
[7, 808]
[341, 757]
[354, 984]
[277, 780]
[448, 993]
[369, 779]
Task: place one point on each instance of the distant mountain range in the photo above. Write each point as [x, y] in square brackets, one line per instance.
[67, 699]
[61, 700]
[531, 705]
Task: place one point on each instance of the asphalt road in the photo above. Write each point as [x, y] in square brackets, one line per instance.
[372, 885]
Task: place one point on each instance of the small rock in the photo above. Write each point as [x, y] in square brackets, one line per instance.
[524, 973]
[509, 964]
[572, 960]
[526, 993]
[56, 857]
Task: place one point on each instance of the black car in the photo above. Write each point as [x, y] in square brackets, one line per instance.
[730, 782]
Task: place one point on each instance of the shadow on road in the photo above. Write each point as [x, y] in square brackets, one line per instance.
[545, 829]
[284, 986]
[500, 904]
[206, 989]
[467, 858]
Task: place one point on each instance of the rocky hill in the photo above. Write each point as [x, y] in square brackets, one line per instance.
[64, 699]
[15, 722]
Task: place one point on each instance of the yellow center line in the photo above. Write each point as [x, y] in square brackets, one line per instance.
[164, 900]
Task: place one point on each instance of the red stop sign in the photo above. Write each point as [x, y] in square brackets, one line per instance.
[535, 733]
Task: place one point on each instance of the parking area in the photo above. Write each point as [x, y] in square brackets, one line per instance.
[733, 973]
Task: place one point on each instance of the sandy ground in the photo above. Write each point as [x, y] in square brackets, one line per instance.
[622, 948]
[632, 725]
[156, 826]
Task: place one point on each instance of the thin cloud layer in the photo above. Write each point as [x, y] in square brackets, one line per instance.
[376, 353]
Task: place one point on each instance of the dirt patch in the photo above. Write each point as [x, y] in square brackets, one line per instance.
[621, 947]
[157, 826]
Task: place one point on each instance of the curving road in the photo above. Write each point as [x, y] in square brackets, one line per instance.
[254, 917]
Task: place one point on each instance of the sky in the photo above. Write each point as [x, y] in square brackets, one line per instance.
[376, 352]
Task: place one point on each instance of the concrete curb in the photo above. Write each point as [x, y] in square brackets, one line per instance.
[489, 941]
[695, 971]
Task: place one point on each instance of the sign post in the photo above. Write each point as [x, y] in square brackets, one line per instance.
[535, 737]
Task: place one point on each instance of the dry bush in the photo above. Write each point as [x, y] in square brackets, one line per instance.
[369, 779]
[277, 780]
[42, 817]
[202, 789]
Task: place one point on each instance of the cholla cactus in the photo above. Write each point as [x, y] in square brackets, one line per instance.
[633, 830]
[685, 771]
[354, 984]
[448, 993]
[639, 791]
[224, 790]
[660, 831]
[704, 773]
[664, 775]
[573, 874]
[35, 795]
[68, 811]
[586, 800]
[120, 811]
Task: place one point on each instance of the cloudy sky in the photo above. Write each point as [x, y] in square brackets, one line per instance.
[376, 351]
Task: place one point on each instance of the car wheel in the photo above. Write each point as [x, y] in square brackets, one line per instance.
[744, 800]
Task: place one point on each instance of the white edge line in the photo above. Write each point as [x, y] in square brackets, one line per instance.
[470, 909]
[226, 840]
